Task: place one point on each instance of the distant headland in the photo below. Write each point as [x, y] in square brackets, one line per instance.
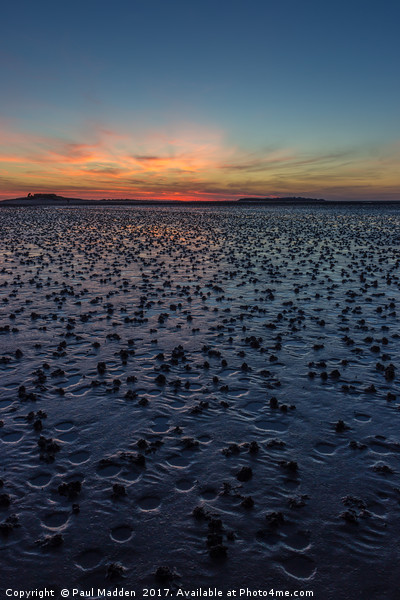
[47, 199]
[285, 200]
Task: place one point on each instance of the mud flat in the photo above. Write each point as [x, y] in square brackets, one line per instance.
[201, 397]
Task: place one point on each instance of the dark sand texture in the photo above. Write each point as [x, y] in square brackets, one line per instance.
[206, 394]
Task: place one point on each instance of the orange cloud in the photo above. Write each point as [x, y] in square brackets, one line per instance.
[190, 162]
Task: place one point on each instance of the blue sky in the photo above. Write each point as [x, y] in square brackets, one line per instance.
[200, 99]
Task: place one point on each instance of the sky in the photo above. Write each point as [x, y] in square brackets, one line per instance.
[200, 100]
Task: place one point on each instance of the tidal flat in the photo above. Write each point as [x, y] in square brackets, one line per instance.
[201, 397]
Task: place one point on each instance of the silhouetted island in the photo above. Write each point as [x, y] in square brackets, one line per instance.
[284, 200]
[51, 199]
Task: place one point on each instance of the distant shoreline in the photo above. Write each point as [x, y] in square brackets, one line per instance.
[54, 200]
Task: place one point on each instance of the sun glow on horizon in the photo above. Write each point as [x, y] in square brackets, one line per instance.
[200, 100]
[189, 163]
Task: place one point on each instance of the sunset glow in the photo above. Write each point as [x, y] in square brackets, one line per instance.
[170, 117]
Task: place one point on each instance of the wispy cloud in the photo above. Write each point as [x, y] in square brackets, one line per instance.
[189, 162]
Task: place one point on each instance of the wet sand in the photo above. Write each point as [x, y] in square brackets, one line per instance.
[201, 397]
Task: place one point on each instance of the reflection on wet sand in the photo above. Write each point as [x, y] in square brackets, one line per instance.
[189, 391]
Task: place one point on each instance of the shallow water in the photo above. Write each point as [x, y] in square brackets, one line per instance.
[201, 316]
